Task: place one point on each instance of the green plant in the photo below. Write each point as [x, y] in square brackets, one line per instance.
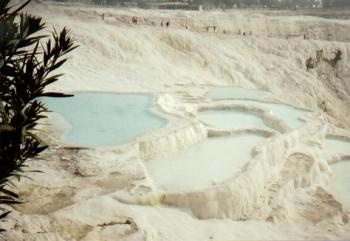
[26, 64]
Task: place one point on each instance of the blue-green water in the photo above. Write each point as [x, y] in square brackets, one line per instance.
[102, 119]
[290, 115]
[337, 145]
[236, 93]
[340, 183]
[231, 119]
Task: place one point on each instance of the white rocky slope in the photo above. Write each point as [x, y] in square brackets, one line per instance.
[149, 57]
[106, 193]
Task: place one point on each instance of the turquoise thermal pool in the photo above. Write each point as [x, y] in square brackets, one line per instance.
[340, 183]
[231, 119]
[102, 119]
[337, 145]
[204, 164]
[290, 115]
[235, 93]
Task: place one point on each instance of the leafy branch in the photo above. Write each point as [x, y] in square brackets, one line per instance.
[26, 66]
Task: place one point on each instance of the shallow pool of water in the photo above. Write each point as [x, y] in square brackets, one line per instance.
[204, 164]
[235, 93]
[290, 115]
[231, 119]
[101, 119]
[336, 145]
[340, 184]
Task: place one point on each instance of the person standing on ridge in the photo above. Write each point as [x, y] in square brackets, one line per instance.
[134, 20]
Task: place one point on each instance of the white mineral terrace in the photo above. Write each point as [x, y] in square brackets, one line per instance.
[193, 135]
[203, 164]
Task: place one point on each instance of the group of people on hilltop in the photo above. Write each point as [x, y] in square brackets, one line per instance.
[134, 20]
[167, 24]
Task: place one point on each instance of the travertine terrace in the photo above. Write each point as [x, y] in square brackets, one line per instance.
[282, 191]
